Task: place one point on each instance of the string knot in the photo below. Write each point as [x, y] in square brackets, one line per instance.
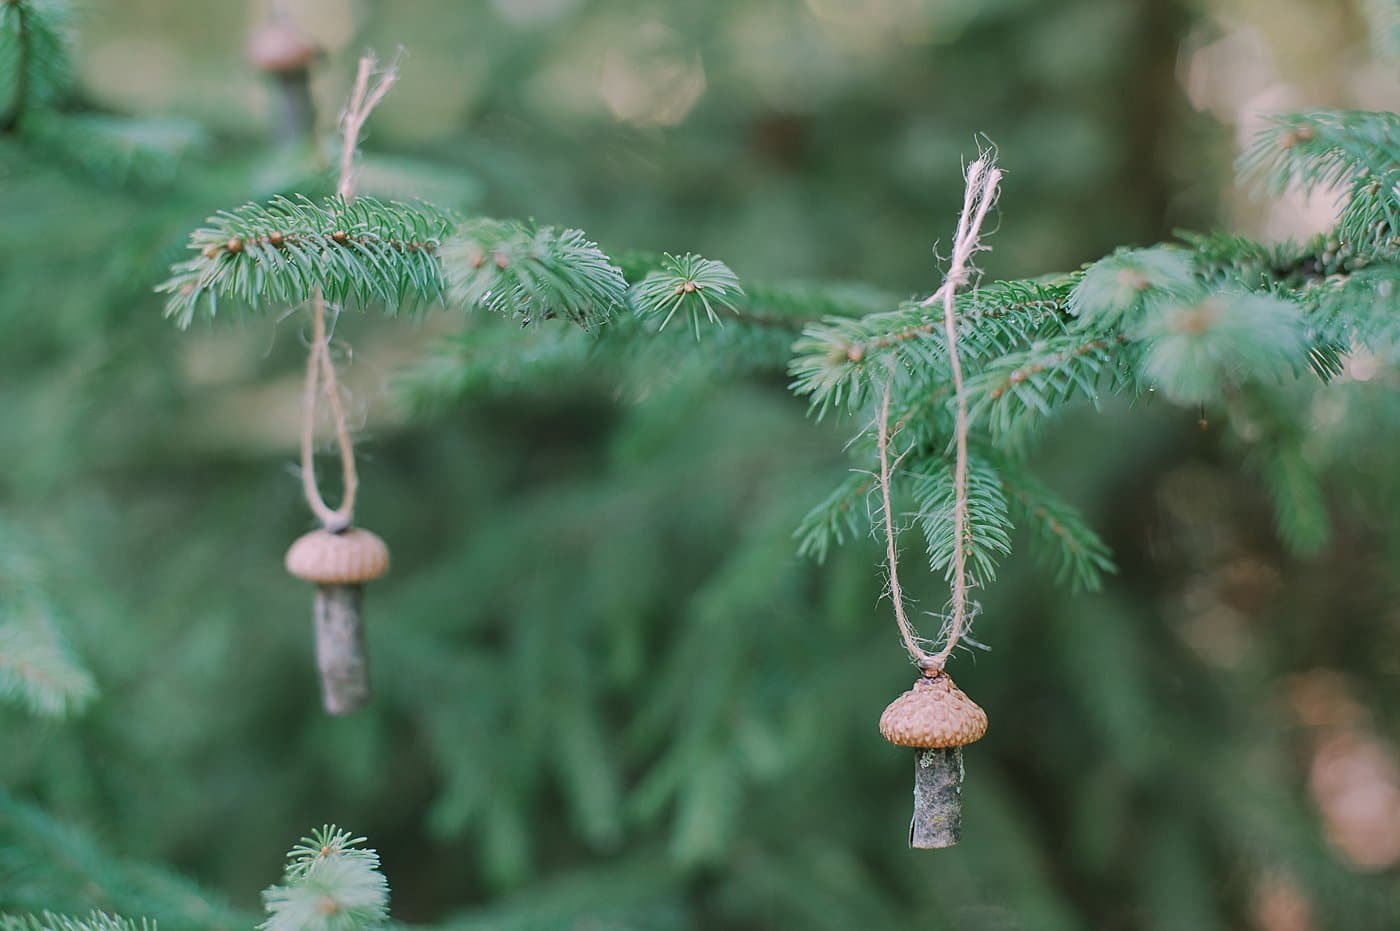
[336, 523]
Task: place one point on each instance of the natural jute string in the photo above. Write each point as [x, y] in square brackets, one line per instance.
[983, 178]
[369, 90]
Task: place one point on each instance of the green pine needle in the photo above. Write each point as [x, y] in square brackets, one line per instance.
[1121, 287]
[532, 273]
[689, 284]
[277, 254]
[94, 921]
[331, 883]
[1197, 351]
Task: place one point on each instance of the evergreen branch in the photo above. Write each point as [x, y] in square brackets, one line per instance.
[1350, 150]
[1052, 372]
[841, 362]
[1285, 452]
[1119, 289]
[1323, 148]
[686, 283]
[787, 305]
[37, 668]
[94, 921]
[844, 514]
[1300, 508]
[790, 305]
[323, 843]
[47, 862]
[1067, 543]
[987, 537]
[493, 359]
[34, 60]
[331, 883]
[1356, 309]
[532, 273]
[280, 252]
[1370, 219]
[116, 150]
[1195, 352]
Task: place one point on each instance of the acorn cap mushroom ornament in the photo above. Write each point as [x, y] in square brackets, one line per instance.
[934, 716]
[937, 719]
[279, 48]
[280, 51]
[340, 563]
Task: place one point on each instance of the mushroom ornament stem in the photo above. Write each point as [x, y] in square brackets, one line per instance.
[340, 563]
[285, 56]
[938, 777]
[938, 719]
[341, 657]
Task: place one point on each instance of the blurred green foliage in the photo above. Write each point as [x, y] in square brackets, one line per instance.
[609, 692]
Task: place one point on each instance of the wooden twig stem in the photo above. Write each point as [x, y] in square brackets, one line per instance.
[938, 778]
[340, 648]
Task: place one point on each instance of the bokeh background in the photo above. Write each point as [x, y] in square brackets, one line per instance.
[609, 694]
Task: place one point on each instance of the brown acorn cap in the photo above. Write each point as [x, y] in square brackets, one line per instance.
[278, 48]
[346, 558]
[934, 713]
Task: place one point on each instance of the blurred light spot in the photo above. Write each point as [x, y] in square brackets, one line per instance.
[1355, 782]
[331, 24]
[1321, 698]
[1212, 629]
[870, 24]
[1361, 365]
[1279, 905]
[653, 80]
[1328, 409]
[128, 67]
[791, 62]
[1354, 776]
[1220, 75]
[532, 12]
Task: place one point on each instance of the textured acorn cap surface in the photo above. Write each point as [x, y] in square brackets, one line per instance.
[278, 48]
[344, 558]
[934, 713]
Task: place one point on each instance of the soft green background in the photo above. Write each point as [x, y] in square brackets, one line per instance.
[609, 695]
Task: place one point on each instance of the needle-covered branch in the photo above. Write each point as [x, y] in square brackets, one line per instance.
[532, 273]
[37, 668]
[37, 105]
[94, 921]
[280, 253]
[841, 363]
[1353, 151]
[331, 883]
[35, 67]
[1203, 322]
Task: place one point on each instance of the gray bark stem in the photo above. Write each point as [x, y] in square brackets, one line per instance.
[295, 119]
[938, 776]
[340, 648]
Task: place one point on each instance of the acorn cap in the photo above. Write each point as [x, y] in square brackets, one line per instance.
[278, 48]
[346, 558]
[934, 713]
